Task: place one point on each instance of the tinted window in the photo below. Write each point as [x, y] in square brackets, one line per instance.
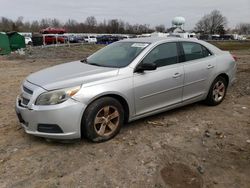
[119, 54]
[194, 51]
[206, 52]
[162, 55]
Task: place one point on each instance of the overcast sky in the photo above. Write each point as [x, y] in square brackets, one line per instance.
[153, 12]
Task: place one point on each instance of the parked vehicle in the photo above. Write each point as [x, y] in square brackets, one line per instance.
[124, 81]
[51, 30]
[28, 41]
[215, 37]
[107, 39]
[90, 39]
[52, 39]
[226, 37]
[73, 39]
[183, 35]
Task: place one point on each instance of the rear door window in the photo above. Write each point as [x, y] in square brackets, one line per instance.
[206, 52]
[193, 51]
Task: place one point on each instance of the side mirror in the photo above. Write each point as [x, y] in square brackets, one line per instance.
[146, 67]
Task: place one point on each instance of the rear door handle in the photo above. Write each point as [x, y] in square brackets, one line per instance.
[177, 75]
[210, 66]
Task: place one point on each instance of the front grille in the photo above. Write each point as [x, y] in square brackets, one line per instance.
[26, 95]
[25, 89]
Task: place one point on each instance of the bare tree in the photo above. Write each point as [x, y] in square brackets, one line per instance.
[34, 26]
[6, 24]
[91, 23]
[211, 23]
[243, 28]
[18, 24]
[113, 26]
[44, 23]
[71, 25]
[160, 28]
[56, 23]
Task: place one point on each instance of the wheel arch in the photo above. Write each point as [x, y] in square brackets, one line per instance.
[225, 76]
[123, 102]
[119, 98]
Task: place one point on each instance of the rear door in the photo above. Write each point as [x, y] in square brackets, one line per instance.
[161, 87]
[198, 68]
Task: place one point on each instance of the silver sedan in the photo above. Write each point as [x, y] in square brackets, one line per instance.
[122, 82]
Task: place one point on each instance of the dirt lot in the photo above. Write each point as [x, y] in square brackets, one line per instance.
[194, 146]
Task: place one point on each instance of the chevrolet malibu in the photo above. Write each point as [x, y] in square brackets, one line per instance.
[122, 82]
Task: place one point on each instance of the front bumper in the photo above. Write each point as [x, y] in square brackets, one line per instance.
[66, 115]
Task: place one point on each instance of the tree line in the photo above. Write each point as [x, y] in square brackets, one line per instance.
[90, 25]
[212, 23]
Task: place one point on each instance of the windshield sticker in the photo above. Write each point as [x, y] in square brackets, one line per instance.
[139, 45]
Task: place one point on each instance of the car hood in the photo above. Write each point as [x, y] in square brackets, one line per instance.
[70, 74]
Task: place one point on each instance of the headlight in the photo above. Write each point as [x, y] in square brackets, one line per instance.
[57, 96]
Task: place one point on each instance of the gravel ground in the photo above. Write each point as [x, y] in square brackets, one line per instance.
[194, 146]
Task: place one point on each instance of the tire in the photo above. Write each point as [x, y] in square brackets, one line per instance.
[217, 91]
[102, 119]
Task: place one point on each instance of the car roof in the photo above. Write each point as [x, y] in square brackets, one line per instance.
[157, 39]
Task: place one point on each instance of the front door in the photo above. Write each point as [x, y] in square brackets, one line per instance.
[162, 87]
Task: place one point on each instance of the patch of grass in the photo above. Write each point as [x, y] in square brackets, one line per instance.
[232, 45]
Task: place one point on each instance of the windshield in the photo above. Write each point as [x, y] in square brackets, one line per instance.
[119, 54]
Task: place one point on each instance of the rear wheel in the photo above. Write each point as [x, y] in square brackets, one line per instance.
[103, 119]
[217, 91]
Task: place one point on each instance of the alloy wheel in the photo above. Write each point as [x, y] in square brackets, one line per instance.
[106, 121]
[219, 91]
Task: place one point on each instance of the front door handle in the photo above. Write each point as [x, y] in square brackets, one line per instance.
[210, 66]
[177, 75]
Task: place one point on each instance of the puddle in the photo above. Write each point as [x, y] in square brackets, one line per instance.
[181, 176]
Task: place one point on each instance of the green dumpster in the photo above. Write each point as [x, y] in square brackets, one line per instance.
[4, 44]
[17, 41]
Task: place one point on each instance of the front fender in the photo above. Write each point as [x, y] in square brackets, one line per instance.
[122, 88]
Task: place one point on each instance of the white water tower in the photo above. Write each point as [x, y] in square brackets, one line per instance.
[178, 21]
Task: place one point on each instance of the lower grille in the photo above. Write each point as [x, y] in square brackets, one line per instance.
[49, 128]
[20, 118]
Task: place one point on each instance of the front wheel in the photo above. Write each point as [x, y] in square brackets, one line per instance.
[103, 119]
[217, 91]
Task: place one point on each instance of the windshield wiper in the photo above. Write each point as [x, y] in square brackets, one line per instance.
[84, 60]
[95, 64]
